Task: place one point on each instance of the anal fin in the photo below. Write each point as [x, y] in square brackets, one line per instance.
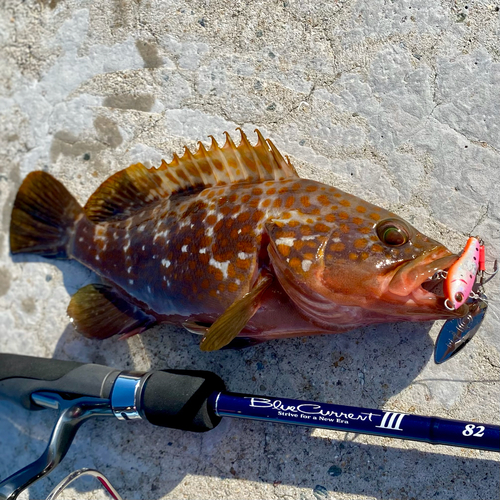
[196, 327]
[237, 343]
[99, 311]
[235, 317]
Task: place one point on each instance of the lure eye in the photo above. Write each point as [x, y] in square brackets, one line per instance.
[392, 233]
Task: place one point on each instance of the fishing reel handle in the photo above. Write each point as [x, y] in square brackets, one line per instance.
[178, 399]
[21, 376]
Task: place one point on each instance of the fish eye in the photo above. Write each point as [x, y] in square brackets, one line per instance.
[392, 233]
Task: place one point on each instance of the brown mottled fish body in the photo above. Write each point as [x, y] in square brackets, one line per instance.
[232, 233]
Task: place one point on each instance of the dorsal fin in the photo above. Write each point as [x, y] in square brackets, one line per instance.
[137, 186]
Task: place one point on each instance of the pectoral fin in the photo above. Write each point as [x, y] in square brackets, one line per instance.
[234, 319]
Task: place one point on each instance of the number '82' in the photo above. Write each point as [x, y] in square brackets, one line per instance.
[470, 430]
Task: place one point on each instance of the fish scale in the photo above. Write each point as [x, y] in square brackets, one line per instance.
[214, 244]
[230, 241]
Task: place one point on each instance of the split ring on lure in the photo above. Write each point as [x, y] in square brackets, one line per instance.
[462, 274]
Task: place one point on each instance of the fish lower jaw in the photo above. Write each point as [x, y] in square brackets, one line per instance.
[418, 296]
[430, 290]
[434, 304]
[412, 279]
[421, 296]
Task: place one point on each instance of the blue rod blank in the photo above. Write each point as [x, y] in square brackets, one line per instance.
[362, 420]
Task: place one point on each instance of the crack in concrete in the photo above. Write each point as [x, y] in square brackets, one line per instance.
[476, 142]
[492, 364]
[150, 126]
[481, 219]
[306, 100]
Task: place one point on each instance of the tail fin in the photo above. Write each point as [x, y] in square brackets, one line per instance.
[43, 216]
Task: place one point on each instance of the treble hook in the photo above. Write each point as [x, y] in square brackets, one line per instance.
[491, 275]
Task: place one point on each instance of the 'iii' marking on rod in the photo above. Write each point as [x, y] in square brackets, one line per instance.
[391, 420]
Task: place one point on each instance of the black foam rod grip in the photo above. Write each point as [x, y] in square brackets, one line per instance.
[21, 376]
[180, 399]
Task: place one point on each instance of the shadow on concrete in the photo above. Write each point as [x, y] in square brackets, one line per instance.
[364, 367]
[74, 274]
[361, 368]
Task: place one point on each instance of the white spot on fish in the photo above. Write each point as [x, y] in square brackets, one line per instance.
[285, 241]
[149, 289]
[141, 228]
[203, 250]
[336, 240]
[161, 234]
[239, 231]
[144, 247]
[166, 263]
[310, 237]
[129, 269]
[184, 248]
[131, 282]
[220, 265]
[209, 231]
[97, 257]
[243, 255]
[80, 239]
[306, 264]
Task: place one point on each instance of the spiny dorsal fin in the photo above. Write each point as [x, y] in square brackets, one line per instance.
[136, 186]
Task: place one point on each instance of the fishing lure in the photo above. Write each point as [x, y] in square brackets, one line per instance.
[464, 283]
[462, 274]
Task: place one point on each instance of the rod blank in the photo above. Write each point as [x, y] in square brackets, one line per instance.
[362, 420]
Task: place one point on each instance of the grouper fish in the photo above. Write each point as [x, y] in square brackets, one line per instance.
[230, 242]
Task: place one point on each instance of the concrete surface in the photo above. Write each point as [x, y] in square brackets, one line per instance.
[395, 101]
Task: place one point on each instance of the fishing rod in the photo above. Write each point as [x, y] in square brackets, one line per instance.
[190, 400]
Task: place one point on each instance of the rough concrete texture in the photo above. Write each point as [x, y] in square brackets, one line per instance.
[395, 101]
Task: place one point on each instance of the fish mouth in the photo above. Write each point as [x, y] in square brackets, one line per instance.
[419, 283]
